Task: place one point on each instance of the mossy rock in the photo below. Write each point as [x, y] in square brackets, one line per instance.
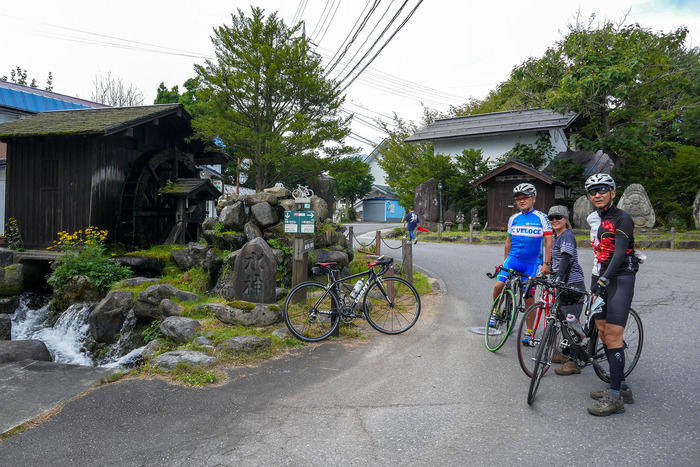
[241, 305]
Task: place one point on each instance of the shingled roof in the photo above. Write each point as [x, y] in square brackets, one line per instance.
[497, 123]
[105, 121]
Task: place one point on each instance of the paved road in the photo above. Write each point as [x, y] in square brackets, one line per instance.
[432, 396]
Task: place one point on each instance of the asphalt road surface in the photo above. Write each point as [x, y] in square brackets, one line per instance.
[431, 396]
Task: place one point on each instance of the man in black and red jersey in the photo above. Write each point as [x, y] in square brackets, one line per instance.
[614, 275]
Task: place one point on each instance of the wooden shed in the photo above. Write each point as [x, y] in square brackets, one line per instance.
[500, 183]
[69, 170]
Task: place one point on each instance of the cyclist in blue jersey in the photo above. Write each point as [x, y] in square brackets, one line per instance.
[528, 232]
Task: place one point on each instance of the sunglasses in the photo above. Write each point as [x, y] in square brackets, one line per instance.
[555, 218]
[522, 198]
[602, 190]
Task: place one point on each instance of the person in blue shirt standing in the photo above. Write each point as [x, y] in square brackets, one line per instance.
[529, 241]
[412, 221]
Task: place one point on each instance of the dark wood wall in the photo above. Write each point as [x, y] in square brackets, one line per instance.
[501, 204]
[64, 184]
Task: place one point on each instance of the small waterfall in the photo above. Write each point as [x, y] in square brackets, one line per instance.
[67, 337]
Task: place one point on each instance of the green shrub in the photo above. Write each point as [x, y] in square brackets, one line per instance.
[85, 256]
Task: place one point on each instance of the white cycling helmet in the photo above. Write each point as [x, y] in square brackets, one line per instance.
[600, 179]
[526, 189]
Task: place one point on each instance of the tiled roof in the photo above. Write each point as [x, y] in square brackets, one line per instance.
[493, 124]
[33, 100]
[103, 121]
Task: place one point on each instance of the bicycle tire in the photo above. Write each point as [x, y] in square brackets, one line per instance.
[504, 310]
[633, 340]
[543, 360]
[392, 315]
[527, 353]
[311, 311]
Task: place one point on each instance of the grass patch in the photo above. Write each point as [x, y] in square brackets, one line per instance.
[193, 375]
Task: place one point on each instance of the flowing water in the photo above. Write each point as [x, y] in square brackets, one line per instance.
[67, 337]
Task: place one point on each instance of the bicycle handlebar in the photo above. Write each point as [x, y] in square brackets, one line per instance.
[509, 271]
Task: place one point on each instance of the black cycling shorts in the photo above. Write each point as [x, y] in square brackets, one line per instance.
[618, 299]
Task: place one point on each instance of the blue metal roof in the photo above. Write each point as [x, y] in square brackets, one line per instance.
[27, 99]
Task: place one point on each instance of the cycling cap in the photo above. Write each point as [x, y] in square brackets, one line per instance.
[600, 179]
[526, 189]
[559, 211]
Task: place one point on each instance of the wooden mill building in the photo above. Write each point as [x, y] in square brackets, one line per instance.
[112, 168]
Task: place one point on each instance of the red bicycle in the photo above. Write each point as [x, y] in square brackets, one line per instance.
[537, 315]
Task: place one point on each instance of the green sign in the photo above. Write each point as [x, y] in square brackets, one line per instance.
[299, 221]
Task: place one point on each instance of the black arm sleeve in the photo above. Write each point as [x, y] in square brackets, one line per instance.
[564, 264]
[621, 243]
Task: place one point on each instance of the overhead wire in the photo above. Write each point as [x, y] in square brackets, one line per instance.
[369, 14]
[342, 44]
[328, 24]
[385, 44]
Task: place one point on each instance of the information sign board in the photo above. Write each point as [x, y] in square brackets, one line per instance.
[299, 221]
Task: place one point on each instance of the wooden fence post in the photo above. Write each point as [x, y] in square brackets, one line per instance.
[407, 261]
[378, 242]
[673, 237]
[350, 237]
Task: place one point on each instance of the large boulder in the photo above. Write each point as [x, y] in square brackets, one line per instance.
[79, 289]
[148, 301]
[107, 319]
[249, 314]
[696, 210]
[264, 197]
[582, 208]
[320, 208]
[14, 351]
[252, 231]
[11, 280]
[170, 360]
[326, 256]
[169, 308]
[145, 266]
[9, 304]
[636, 202]
[5, 327]
[264, 215]
[234, 216]
[280, 192]
[227, 199]
[179, 329]
[243, 344]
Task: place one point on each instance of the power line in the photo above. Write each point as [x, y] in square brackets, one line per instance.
[330, 21]
[385, 44]
[357, 32]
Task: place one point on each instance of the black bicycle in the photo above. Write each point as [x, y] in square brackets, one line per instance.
[390, 304]
[584, 343]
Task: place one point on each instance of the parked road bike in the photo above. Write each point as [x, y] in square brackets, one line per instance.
[504, 311]
[584, 346]
[390, 304]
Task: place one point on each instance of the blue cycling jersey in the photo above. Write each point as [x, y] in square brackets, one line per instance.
[527, 232]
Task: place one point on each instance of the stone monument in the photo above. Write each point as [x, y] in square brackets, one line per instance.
[254, 273]
[460, 220]
[636, 202]
[475, 218]
[696, 211]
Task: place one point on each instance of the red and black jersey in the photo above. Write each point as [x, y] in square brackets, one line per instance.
[614, 223]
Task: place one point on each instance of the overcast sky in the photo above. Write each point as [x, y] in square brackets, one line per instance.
[447, 51]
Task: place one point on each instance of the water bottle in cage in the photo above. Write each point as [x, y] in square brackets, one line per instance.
[356, 290]
[575, 325]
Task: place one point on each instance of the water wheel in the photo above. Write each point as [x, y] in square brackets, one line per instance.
[147, 217]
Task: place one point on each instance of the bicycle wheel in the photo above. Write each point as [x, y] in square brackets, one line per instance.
[503, 312]
[527, 353]
[543, 360]
[632, 341]
[391, 306]
[311, 311]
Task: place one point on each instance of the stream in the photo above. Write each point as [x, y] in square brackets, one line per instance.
[67, 338]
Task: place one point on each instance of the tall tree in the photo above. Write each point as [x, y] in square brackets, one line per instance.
[112, 91]
[353, 180]
[468, 166]
[266, 98]
[172, 96]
